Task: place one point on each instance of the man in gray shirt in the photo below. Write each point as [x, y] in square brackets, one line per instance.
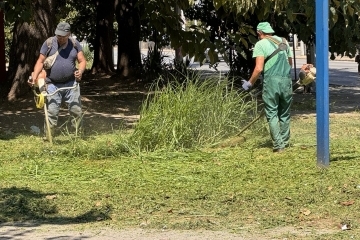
[61, 73]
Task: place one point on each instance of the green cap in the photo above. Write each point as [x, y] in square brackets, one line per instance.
[265, 27]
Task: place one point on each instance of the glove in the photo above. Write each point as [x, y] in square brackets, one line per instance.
[246, 85]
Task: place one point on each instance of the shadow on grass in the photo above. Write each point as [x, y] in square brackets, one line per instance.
[23, 204]
[103, 113]
[6, 136]
[343, 158]
[266, 142]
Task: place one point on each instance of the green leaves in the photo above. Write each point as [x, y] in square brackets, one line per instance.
[333, 16]
[17, 9]
[238, 6]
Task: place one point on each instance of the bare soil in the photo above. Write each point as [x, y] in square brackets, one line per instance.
[17, 231]
[110, 104]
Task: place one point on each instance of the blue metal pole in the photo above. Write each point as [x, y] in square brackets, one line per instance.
[322, 82]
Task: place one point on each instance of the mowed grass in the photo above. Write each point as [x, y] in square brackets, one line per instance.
[102, 179]
[229, 188]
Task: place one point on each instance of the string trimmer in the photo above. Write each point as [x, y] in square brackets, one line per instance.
[39, 90]
[307, 75]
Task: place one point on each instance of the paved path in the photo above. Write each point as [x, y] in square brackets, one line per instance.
[33, 231]
[342, 70]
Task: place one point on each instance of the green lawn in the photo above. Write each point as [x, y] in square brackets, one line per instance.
[130, 178]
[212, 188]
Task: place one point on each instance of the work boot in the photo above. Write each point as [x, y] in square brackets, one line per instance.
[278, 150]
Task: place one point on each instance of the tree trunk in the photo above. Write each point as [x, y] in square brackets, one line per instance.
[129, 56]
[25, 47]
[2, 48]
[178, 54]
[103, 60]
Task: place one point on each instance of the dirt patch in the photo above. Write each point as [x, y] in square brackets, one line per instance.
[17, 231]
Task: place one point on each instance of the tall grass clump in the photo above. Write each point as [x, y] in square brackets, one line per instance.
[89, 56]
[191, 114]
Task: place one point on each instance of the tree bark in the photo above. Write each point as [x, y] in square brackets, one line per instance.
[103, 60]
[128, 19]
[178, 54]
[25, 47]
[2, 47]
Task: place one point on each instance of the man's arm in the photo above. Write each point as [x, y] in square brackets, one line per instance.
[82, 61]
[37, 68]
[290, 61]
[259, 67]
[82, 65]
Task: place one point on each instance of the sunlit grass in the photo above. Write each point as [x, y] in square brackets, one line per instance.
[192, 114]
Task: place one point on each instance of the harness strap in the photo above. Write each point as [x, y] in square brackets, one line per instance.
[280, 47]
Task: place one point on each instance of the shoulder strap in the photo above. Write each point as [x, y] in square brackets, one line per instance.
[49, 45]
[73, 40]
[273, 40]
[50, 40]
[281, 46]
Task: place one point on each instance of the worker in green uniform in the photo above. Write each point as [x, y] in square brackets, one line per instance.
[277, 84]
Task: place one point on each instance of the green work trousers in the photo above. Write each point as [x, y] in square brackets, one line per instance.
[277, 97]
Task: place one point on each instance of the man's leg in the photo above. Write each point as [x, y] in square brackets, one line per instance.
[271, 101]
[73, 99]
[53, 104]
[284, 110]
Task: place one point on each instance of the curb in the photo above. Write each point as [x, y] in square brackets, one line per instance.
[346, 59]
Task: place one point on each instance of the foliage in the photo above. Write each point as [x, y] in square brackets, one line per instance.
[8, 39]
[231, 24]
[82, 16]
[191, 114]
[228, 36]
[299, 17]
[154, 65]
[23, 10]
[222, 25]
[17, 9]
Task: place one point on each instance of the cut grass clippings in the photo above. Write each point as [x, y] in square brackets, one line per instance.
[245, 188]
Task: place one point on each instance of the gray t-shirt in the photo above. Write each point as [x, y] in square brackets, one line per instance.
[64, 65]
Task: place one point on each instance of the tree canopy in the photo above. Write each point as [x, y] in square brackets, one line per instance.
[220, 25]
